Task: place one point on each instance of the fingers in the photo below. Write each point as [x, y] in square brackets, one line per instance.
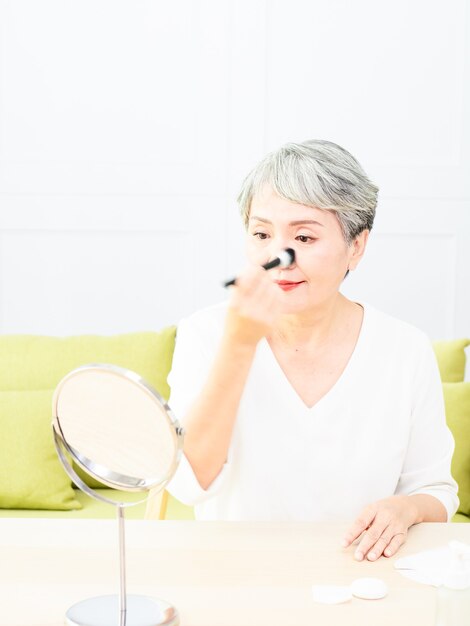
[385, 525]
[394, 544]
[374, 542]
[380, 538]
[363, 522]
[254, 307]
[387, 544]
[251, 279]
[255, 296]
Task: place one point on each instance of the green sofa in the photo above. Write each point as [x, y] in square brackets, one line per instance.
[32, 481]
[34, 484]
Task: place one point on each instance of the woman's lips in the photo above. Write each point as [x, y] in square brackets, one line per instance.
[287, 285]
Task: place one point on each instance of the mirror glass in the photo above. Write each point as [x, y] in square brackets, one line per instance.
[116, 427]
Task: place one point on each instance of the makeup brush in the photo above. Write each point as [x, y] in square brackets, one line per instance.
[285, 258]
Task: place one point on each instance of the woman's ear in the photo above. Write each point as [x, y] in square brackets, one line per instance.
[357, 249]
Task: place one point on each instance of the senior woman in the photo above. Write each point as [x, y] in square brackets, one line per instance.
[299, 404]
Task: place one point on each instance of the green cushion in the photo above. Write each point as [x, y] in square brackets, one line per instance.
[451, 359]
[457, 402]
[31, 476]
[460, 517]
[30, 363]
[92, 508]
[34, 362]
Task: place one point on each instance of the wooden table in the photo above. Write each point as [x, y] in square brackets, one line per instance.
[216, 574]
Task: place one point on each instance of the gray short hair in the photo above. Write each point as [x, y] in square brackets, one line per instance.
[320, 174]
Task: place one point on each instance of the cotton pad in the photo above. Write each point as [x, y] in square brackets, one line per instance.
[331, 594]
[369, 588]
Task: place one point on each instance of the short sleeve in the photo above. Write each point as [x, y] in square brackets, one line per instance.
[427, 465]
[189, 370]
[192, 361]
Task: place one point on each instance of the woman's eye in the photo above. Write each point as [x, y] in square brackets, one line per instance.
[260, 235]
[304, 238]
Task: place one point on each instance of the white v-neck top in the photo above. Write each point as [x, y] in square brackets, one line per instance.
[379, 431]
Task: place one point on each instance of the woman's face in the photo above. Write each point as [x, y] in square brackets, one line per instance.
[322, 256]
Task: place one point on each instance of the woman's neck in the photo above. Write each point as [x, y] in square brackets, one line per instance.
[313, 329]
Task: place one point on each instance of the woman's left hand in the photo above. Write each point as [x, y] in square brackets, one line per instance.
[386, 523]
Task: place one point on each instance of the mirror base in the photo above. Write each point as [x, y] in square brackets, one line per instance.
[104, 611]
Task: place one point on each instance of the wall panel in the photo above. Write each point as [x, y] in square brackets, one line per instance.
[126, 130]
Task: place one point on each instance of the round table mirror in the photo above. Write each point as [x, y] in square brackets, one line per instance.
[114, 426]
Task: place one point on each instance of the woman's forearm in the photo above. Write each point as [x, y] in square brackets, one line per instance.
[253, 309]
[209, 423]
[429, 508]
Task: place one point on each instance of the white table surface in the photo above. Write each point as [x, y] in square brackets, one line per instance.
[216, 574]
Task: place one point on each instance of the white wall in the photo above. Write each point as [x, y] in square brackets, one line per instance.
[126, 127]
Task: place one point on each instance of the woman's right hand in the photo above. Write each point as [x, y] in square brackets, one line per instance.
[254, 306]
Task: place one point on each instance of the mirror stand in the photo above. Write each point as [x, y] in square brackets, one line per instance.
[118, 609]
[122, 609]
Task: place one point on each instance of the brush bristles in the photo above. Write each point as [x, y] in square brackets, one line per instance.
[287, 257]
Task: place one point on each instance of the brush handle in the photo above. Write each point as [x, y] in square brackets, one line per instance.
[286, 258]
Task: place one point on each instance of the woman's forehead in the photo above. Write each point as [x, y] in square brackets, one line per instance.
[270, 207]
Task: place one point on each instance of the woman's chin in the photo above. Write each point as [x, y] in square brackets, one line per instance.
[293, 304]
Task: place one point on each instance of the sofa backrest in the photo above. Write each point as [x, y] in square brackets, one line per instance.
[32, 366]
